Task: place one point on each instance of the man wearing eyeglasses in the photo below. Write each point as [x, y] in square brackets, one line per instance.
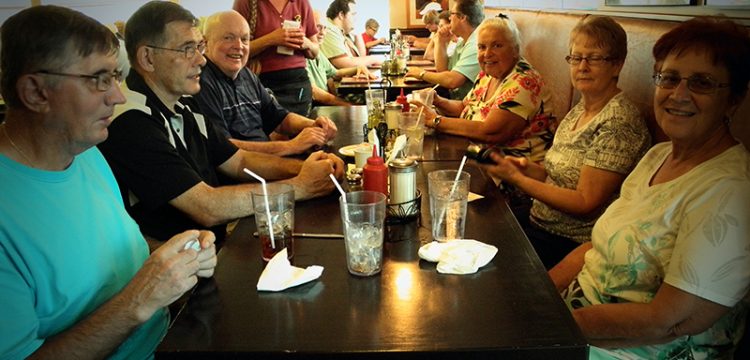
[168, 158]
[75, 272]
[238, 104]
[458, 71]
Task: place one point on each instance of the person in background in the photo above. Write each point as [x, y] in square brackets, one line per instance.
[595, 147]
[509, 106]
[340, 22]
[165, 155]
[77, 278]
[433, 5]
[458, 72]
[322, 73]
[432, 23]
[430, 20]
[668, 265]
[233, 98]
[371, 29]
[278, 52]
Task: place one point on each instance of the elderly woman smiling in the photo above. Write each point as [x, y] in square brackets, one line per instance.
[509, 104]
[596, 145]
[668, 264]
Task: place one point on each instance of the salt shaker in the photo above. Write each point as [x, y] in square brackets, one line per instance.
[403, 180]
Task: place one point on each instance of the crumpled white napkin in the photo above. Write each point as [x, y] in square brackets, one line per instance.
[279, 274]
[458, 256]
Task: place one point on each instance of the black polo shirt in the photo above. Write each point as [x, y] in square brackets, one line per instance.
[155, 157]
[241, 108]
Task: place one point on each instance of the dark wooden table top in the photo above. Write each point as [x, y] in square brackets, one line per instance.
[350, 119]
[508, 309]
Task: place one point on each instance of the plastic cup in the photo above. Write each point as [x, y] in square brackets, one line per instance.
[281, 207]
[363, 231]
[448, 208]
[412, 125]
[424, 96]
[375, 99]
[361, 154]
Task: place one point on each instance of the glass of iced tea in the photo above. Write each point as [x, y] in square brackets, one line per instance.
[274, 215]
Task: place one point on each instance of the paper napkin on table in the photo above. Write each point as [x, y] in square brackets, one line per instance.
[474, 196]
[458, 256]
[279, 274]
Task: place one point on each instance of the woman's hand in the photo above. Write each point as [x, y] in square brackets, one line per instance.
[292, 38]
[508, 168]
[428, 114]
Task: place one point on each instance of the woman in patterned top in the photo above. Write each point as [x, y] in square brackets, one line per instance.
[668, 265]
[596, 145]
[509, 105]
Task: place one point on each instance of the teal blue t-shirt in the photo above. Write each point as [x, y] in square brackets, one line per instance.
[67, 245]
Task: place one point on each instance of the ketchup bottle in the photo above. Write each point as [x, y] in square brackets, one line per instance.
[401, 99]
[375, 174]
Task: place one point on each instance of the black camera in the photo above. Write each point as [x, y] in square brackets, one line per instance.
[481, 153]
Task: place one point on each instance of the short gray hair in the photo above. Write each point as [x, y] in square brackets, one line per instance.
[504, 23]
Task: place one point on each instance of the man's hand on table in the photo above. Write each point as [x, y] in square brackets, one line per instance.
[328, 126]
[313, 179]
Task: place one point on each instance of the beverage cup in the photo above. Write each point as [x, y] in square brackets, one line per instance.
[424, 96]
[361, 154]
[375, 100]
[412, 125]
[281, 207]
[448, 208]
[363, 216]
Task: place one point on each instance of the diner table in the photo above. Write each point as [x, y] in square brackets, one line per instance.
[393, 84]
[383, 49]
[509, 309]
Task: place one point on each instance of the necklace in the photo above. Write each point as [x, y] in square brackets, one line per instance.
[15, 147]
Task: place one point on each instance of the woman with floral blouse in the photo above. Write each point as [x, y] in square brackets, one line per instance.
[509, 105]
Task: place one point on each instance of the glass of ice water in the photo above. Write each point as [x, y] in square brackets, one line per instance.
[363, 216]
[412, 125]
[448, 203]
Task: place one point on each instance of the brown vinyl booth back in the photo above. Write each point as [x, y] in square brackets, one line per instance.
[544, 43]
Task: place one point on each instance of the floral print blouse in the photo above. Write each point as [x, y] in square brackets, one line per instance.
[523, 93]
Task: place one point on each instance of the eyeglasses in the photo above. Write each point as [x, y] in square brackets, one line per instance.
[189, 51]
[455, 13]
[591, 60]
[104, 80]
[700, 84]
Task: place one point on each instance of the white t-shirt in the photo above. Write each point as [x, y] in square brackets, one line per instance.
[692, 232]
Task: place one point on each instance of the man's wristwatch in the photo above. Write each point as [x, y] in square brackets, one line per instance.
[436, 121]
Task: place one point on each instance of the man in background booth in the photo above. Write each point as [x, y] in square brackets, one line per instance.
[456, 72]
[322, 73]
[340, 22]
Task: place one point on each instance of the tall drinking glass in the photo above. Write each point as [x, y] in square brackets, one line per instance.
[448, 203]
[412, 125]
[281, 208]
[363, 216]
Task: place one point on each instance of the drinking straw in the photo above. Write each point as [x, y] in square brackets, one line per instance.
[268, 207]
[458, 174]
[343, 195]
